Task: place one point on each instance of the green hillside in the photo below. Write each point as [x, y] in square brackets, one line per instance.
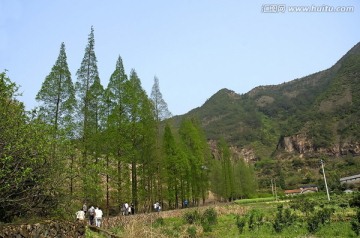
[288, 127]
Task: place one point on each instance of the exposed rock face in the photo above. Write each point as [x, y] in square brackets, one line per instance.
[44, 229]
[247, 154]
[302, 145]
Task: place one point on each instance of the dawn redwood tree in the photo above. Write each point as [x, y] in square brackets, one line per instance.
[117, 126]
[244, 179]
[197, 152]
[160, 106]
[87, 75]
[95, 123]
[227, 170]
[57, 97]
[172, 167]
[161, 112]
[140, 114]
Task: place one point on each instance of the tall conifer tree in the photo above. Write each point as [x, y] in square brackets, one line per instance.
[161, 113]
[160, 106]
[117, 127]
[57, 95]
[87, 78]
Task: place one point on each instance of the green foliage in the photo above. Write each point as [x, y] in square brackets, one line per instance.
[283, 218]
[192, 217]
[209, 219]
[191, 231]
[28, 173]
[255, 219]
[240, 223]
[355, 201]
[303, 204]
[355, 222]
[57, 97]
[319, 218]
[159, 222]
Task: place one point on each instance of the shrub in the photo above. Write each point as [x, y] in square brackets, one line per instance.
[355, 201]
[313, 224]
[208, 219]
[325, 214]
[209, 216]
[240, 223]
[191, 217]
[319, 218]
[305, 205]
[255, 219]
[283, 218]
[191, 230]
[355, 223]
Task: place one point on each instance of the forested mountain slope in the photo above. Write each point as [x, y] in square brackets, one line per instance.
[303, 119]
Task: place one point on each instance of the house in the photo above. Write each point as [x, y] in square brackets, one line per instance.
[302, 190]
[351, 179]
[292, 192]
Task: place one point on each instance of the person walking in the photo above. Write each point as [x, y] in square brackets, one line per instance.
[80, 215]
[132, 209]
[126, 206]
[98, 216]
[84, 208]
[91, 215]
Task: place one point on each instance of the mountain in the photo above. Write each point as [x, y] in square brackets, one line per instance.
[310, 117]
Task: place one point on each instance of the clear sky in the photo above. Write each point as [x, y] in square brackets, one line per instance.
[194, 47]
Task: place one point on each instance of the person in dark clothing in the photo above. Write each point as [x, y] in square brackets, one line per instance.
[91, 215]
[132, 209]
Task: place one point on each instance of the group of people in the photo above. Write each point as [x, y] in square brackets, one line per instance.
[127, 210]
[95, 215]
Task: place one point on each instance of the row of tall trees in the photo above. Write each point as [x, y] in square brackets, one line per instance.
[232, 178]
[104, 145]
[111, 138]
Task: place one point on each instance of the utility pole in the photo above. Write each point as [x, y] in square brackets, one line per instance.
[327, 190]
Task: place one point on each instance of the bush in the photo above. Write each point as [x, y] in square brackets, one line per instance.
[283, 218]
[313, 224]
[208, 219]
[191, 217]
[240, 223]
[209, 216]
[191, 230]
[355, 201]
[255, 219]
[305, 205]
[355, 223]
[319, 218]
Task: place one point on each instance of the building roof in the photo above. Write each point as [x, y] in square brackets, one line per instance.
[292, 191]
[350, 177]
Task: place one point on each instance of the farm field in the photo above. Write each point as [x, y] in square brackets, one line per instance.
[303, 216]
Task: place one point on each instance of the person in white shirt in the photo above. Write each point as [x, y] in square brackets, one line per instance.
[98, 216]
[80, 215]
[126, 205]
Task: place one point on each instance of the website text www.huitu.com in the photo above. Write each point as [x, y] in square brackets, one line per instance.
[282, 8]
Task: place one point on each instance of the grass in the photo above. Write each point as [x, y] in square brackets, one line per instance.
[258, 213]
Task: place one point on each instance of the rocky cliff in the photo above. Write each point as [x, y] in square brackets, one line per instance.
[302, 145]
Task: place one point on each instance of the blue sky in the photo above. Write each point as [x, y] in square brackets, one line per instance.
[194, 47]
